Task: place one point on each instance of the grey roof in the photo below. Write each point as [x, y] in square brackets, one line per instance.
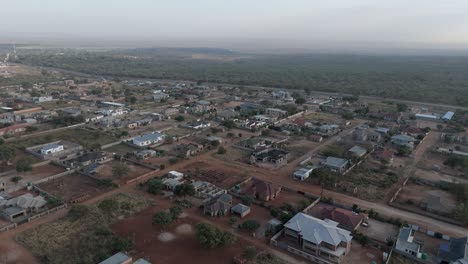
[335, 162]
[240, 208]
[359, 151]
[141, 261]
[404, 237]
[455, 250]
[317, 231]
[402, 137]
[12, 210]
[148, 137]
[50, 146]
[448, 115]
[116, 259]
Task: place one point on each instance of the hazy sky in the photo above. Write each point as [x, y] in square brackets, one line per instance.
[269, 24]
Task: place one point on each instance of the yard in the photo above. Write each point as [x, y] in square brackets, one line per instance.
[134, 170]
[121, 149]
[74, 186]
[36, 174]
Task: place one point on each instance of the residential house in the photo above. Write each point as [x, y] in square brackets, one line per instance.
[276, 112]
[159, 96]
[282, 95]
[87, 158]
[454, 252]
[329, 129]
[148, 139]
[17, 208]
[14, 129]
[262, 190]
[359, 135]
[51, 149]
[403, 140]
[241, 210]
[406, 244]
[357, 151]
[218, 206]
[207, 190]
[173, 179]
[347, 219]
[383, 155]
[316, 138]
[321, 238]
[42, 99]
[188, 150]
[303, 173]
[170, 111]
[146, 153]
[199, 124]
[335, 164]
[274, 155]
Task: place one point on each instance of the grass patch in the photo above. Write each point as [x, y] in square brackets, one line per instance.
[84, 235]
[86, 138]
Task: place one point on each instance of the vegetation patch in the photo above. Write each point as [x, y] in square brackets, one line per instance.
[84, 235]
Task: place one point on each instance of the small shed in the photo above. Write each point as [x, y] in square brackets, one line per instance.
[240, 210]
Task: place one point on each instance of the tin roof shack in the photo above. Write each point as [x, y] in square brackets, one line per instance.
[57, 150]
[357, 151]
[88, 158]
[240, 210]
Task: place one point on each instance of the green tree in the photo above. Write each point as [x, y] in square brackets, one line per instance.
[300, 101]
[249, 253]
[179, 118]
[15, 179]
[221, 150]
[184, 190]
[6, 153]
[211, 237]
[461, 213]
[31, 129]
[24, 165]
[120, 169]
[163, 218]
[176, 211]
[109, 206]
[78, 211]
[229, 124]
[404, 151]
[250, 225]
[155, 186]
[402, 107]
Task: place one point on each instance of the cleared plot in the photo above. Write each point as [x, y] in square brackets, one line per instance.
[416, 196]
[36, 174]
[84, 236]
[216, 173]
[74, 186]
[134, 170]
[121, 149]
[178, 131]
[434, 176]
[86, 138]
[367, 183]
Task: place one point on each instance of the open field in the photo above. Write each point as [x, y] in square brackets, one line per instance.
[215, 173]
[86, 138]
[412, 195]
[105, 172]
[435, 176]
[84, 236]
[37, 173]
[121, 149]
[73, 186]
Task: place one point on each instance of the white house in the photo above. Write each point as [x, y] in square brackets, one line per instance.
[52, 148]
[148, 139]
[406, 243]
[303, 173]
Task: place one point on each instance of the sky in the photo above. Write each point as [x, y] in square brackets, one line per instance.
[240, 24]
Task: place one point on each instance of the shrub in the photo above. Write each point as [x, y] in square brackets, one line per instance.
[250, 225]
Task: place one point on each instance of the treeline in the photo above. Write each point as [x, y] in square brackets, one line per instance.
[435, 79]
